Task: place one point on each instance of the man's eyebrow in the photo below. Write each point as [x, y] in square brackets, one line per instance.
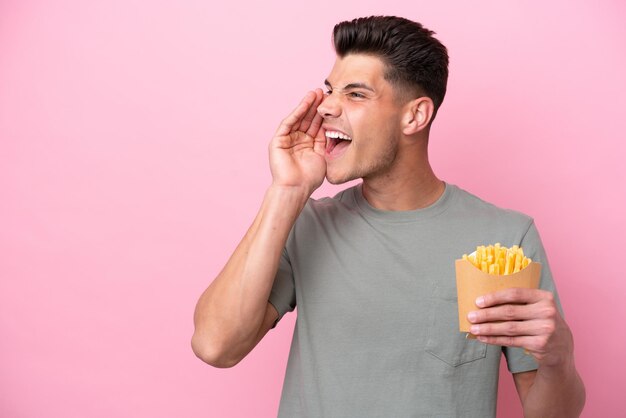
[353, 86]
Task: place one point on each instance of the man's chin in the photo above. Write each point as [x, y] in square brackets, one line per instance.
[339, 179]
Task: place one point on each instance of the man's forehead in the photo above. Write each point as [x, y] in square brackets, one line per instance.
[357, 68]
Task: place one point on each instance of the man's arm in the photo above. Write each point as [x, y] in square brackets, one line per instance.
[529, 318]
[233, 313]
[544, 396]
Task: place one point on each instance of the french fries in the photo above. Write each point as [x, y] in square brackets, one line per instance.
[498, 260]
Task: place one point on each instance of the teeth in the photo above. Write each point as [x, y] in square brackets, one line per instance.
[335, 134]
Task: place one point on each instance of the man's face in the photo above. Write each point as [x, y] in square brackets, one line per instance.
[362, 106]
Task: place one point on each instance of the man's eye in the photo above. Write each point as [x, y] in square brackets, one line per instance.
[328, 92]
[356, 95]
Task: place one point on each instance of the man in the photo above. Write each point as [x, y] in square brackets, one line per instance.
[372, 269]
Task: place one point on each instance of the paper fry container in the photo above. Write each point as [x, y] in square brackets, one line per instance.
[472, 282]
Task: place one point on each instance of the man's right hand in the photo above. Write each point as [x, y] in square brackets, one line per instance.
[298, 147]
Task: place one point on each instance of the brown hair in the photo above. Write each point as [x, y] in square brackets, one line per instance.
[414, 59]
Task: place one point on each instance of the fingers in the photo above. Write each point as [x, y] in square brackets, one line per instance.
[311, 114]
[515, 295]
[316, 123]
[503, 313]
[320, 140]
[529, 343]
[511, 328]
[514, 311]
[517, 318]
[295, 117]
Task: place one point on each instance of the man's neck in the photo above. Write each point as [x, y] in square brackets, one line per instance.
[414, 187]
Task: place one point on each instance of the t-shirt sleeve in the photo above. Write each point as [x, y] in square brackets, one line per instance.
[517, 360]
[283, 294]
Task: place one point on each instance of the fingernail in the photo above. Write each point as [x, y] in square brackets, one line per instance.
[471, 316]
[475, 329]
[480, 301]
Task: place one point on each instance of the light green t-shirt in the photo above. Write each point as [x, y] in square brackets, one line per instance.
[377, 331]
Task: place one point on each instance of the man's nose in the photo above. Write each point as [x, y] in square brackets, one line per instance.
[330, 106]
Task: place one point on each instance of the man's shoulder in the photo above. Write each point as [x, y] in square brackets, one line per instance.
[478, 209]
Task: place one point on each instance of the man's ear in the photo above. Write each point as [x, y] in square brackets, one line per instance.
[417, 115]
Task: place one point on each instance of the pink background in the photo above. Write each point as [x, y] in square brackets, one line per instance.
[133, 139]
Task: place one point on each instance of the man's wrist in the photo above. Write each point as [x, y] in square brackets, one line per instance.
[287, 200]
[558, 369]
[290, 194]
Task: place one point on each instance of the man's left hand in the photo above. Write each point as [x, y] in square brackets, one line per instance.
[526, 318]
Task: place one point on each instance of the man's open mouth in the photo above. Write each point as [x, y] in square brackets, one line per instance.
[336, 142]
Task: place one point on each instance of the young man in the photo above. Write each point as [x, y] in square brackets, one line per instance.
[372, 269]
